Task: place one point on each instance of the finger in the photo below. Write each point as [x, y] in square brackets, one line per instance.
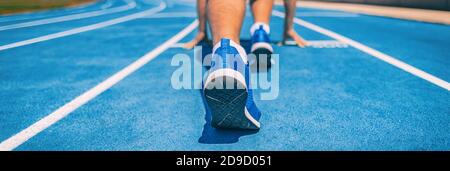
[300, 43]
[188, 45]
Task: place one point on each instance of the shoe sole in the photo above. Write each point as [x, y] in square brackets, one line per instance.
[262, 48]
[262, 51]
[228, 104]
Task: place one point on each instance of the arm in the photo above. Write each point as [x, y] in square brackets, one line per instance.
[289, 32]
[201, 13]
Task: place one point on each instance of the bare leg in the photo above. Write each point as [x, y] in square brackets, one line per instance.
[201, 35]
[261, 10]
[289, 32]
[225, 18]
[260, 40]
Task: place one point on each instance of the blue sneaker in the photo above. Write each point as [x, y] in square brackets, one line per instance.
[261, 42]
[227, 88]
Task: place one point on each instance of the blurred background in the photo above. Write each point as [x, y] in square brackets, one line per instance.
[425, 4]
[17, 6]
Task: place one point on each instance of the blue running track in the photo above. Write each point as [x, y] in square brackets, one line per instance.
[330, 98]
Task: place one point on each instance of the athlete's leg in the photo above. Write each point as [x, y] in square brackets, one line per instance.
[260, 31]
[225, 18]
[227, 89]
[289, 32]
[202, 33]
[261, 10]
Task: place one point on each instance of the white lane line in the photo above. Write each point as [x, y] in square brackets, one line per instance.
[375, 53]
[326, 44]
[29, 132]
[42, 14]
[174, 15]
[320, 44]
[106, 5]
[129, 6]
[161, 7]
[326, 14]
[177, 45]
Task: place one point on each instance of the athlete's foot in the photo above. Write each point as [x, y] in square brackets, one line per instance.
[261, 44]
[291, 34]
[200, 36]
[227, 88]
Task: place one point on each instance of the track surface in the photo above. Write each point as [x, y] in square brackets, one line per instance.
[334, 98]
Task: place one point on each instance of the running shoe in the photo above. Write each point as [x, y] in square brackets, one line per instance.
[227, 88]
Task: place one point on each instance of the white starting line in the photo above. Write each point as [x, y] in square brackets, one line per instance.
[319, 44]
